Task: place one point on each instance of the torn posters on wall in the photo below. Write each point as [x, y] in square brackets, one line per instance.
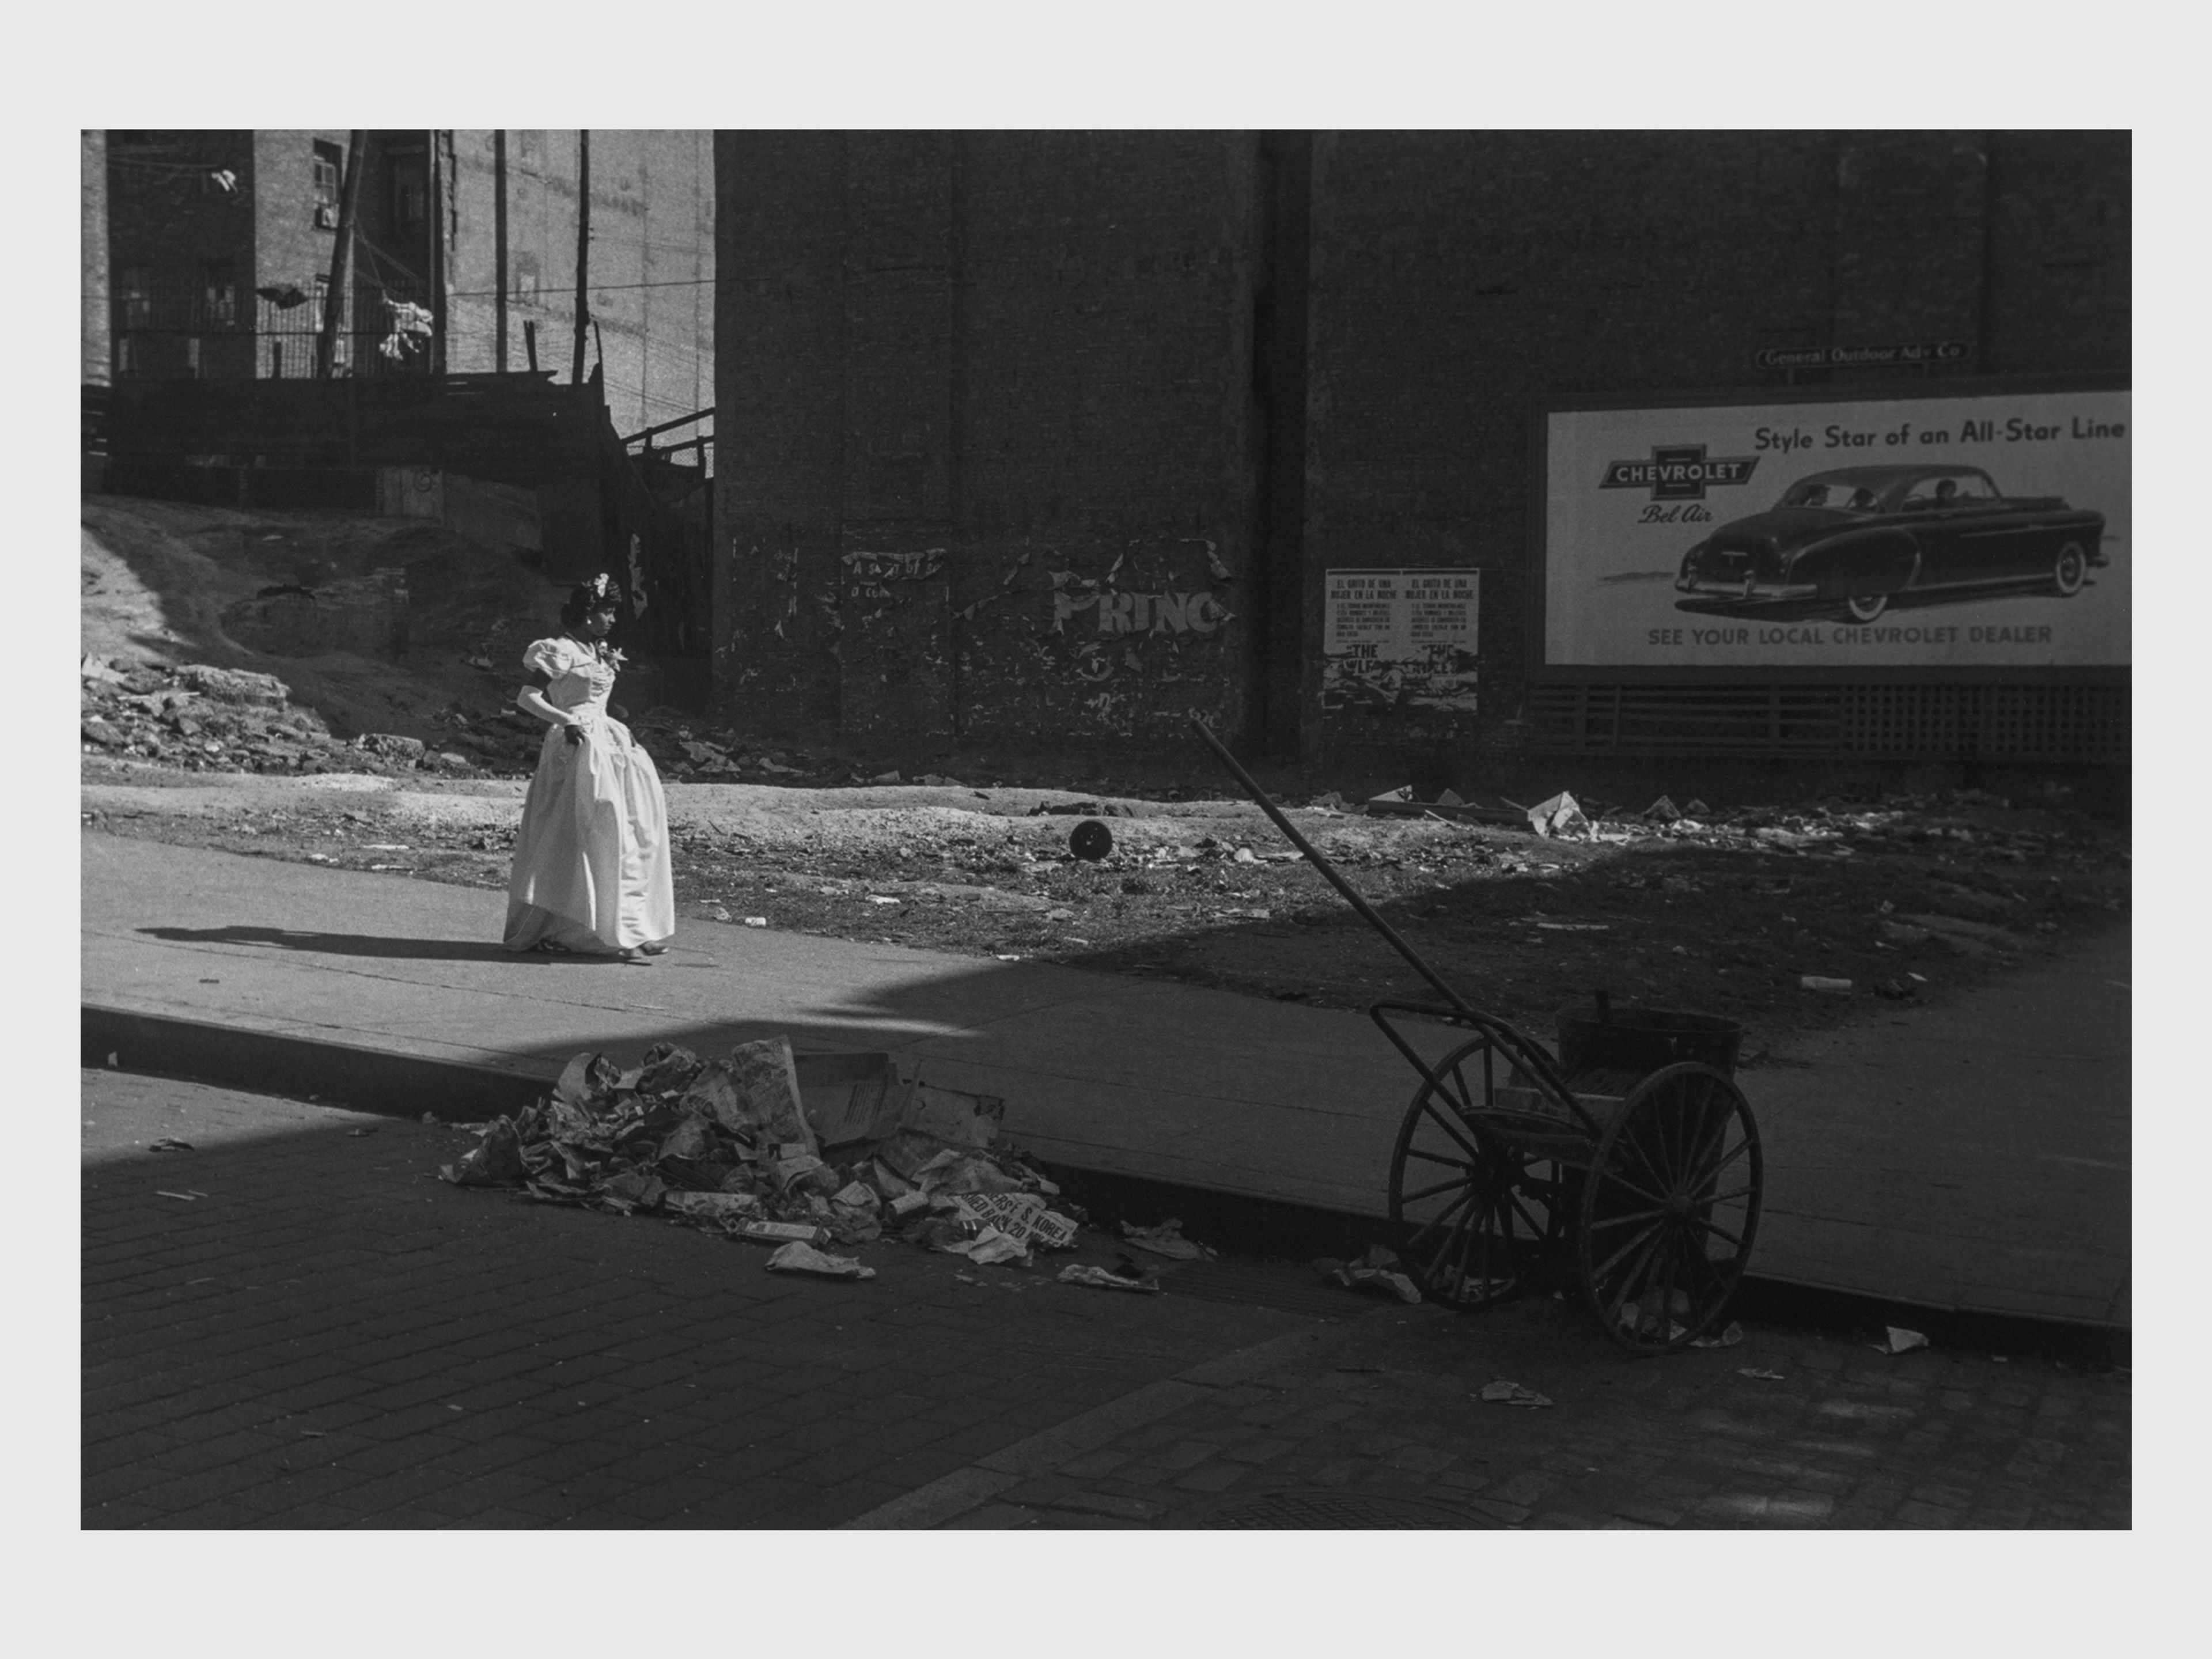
[1399, 639]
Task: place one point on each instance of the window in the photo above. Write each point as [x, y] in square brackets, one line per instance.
[134, 287]
[219, 293]
[329, 173]
[411, 194]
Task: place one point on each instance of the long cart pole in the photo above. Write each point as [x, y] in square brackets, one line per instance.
[1328, 871]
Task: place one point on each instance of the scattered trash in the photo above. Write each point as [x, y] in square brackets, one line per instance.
[1502, 1393]
[1090, 841]
[886, 777]
[1577, 927]
[115, 1061]
[777, 1232]
[1759, 1374]
[756, 921]
[1903, 933]
[776, 1148]
[798, 1257]
[430, 1117]
[1901, 1341]
[161, 1192]
[1374, 1271]
[1839, 987]
[170, 1144]
[1021, 1216]
[359, 1134]
[1560, 815]
[1166, 1240]
[1896, 990]
[1105, 1279]
[1727, 1337]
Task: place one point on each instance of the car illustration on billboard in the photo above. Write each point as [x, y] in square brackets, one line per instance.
[1853, 540]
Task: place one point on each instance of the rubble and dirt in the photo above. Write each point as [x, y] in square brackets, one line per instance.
[413, 762]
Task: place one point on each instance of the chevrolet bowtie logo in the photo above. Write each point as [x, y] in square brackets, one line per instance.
[1678, 472]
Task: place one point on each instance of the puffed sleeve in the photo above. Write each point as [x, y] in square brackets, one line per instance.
[548, 657]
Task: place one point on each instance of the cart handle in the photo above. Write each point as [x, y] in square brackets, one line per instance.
[1260, 798]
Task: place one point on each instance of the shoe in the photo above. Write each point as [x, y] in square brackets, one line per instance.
[635, 956]
[654, 950]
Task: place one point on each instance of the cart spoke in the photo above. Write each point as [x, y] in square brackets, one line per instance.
[1430, 1274]
[1712, 1170]
[1712, 1228]
[1459, 1267]
[1451, 1130]
[1726, 1197]
[1466, 1198]
[1522, 1211]
[1630, 1186]
[1441, 1186]
[1623, 1220]
[1427, 1157]
[1460, 1089]
[1618, 1255]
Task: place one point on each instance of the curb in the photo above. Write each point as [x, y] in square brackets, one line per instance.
[390, 1084]
[950, 1496]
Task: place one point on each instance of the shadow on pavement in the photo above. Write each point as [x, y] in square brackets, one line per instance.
[297, 1325]
[365, 945]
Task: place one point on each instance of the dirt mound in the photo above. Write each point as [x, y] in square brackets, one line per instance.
[376, 625]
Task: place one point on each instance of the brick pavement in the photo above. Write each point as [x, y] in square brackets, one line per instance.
[1381, 1412]
[333, 1337]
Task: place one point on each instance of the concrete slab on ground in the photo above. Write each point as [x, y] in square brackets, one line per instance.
[1975, 1156]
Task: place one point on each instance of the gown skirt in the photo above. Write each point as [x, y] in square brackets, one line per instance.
[591, 858]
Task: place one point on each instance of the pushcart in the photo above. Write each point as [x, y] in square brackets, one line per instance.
[1626, 1166]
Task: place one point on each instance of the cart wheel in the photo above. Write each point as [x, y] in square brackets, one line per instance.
[1472, 1214]
[1670, 1209]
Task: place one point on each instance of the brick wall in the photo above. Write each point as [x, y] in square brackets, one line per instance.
[93, 302]
[652, 264]
[1457, 278]
[984, 433]
[166, 217]
[1016, 372]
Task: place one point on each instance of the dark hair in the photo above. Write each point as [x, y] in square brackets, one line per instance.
[597, 594]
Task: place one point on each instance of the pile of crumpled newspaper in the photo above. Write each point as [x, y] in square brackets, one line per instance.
[730, 1146]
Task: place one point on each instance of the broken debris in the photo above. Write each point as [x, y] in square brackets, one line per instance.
[771, 1147]
[1166, 1240]
[799, 1258]
[1377, 1270]
[1900, 1340]
[1107, 1279]
[1503, 1393]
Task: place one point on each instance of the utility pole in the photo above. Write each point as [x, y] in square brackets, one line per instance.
[583, 250]
[334, 302]
[437, 256]
[499, 249]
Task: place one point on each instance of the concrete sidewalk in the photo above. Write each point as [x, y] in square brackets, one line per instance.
[1974, 1157]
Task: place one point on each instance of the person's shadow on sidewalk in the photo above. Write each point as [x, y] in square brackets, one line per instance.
[366, 944]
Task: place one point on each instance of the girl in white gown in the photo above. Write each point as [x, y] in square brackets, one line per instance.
[591, 858]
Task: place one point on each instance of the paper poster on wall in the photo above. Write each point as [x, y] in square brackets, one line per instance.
[1399, 639]
[1985, 530]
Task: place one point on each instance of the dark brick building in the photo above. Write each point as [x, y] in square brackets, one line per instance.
[1033, 438]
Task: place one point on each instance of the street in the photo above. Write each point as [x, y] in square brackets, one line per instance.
[295, 1324]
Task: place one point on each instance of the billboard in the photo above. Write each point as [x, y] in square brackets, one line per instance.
[1981, 528]
[1399, 639]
